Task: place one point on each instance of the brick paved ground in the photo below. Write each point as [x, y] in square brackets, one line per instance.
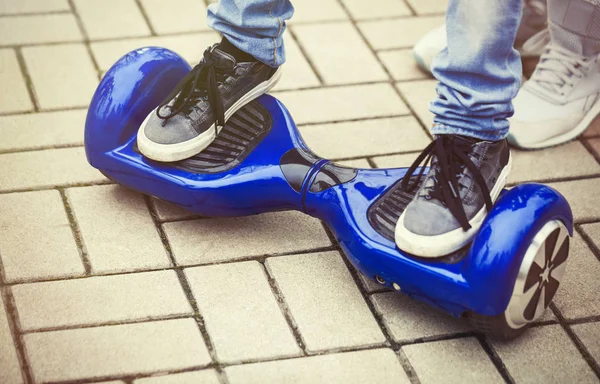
[101, 284]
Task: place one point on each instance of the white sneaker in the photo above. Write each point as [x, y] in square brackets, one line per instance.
[559, 102]
[530, 40]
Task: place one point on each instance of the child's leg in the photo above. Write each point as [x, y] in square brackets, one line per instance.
[255, 27]
[479, 74]
[534, 20]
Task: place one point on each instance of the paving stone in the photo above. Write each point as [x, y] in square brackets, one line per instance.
[117, 229]
[593, 231]
[578, 293]
[171, 212]
[330, 45]
[401, 64]
[63, 76]
[19, 30]
[99, 300]
[595, 144]
[408, 319]
[547, 316]
[423, 7]
[208, 376]
[234, 238]
[589, 334]
[306, 11]
[66, 166]
[297, 72]
[371, 366]
[419, 94]
[361, 10]
[103, 19]
[343, 103]
[594, 129]
[9, 362]
[365, 138]
[544, 355]
[241, 313]
[33, 6]
[452, 361]
[122, 350]
[585, 205]
[386, 34]
[36, 241]
[567, 160]
[178, 16]
[189, 46]
[17, 100]
[356, 163]
[38, 130]
[340, 317]
[395, 161]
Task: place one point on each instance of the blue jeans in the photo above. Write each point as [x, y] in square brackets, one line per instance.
[254, 26]
[479, 73]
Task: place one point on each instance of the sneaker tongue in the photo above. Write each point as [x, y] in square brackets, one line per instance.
[463, 139]
[467, 139]
[223, 59]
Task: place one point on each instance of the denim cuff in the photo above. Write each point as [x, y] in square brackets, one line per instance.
[443, 129]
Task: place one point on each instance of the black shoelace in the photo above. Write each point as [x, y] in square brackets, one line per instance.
[200, 83]
[452, 157]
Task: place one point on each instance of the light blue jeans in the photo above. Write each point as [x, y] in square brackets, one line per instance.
[254, 26]
[479, 73]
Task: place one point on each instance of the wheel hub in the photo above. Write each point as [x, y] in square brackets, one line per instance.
[540, 275]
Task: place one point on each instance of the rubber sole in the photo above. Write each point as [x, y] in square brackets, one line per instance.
[444, 244]
[183, 150]
[563, 138]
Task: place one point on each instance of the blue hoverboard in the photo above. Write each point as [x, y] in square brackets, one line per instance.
[259, 163]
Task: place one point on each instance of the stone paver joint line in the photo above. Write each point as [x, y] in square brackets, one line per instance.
[8, 309]
[593, 364]
[185, 285]
[87, 265]
[284, 308]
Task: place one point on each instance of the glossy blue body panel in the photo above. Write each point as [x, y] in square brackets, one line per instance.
[481, 281]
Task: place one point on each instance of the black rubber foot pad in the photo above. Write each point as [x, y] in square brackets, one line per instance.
[241, 134]
[385, 212]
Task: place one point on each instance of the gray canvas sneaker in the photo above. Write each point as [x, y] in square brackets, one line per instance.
[191, 117]
[466, 176]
